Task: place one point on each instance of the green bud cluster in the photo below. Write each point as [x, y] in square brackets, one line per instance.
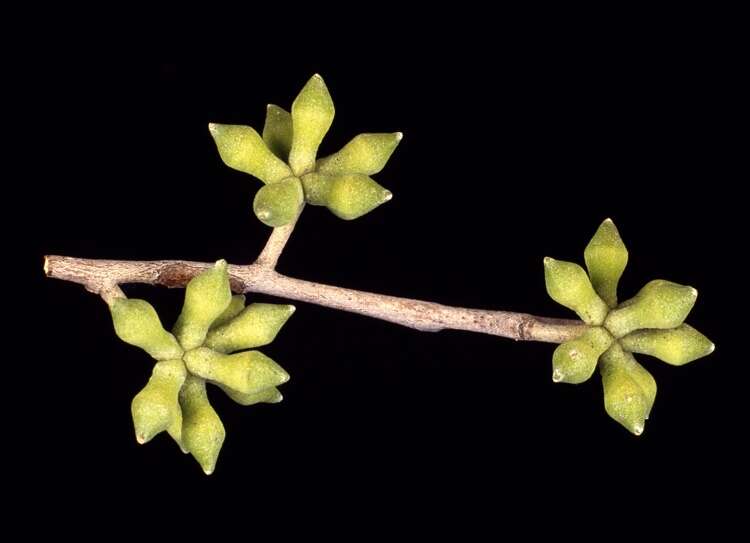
[209, 343]
[285, 159]
[649, 323]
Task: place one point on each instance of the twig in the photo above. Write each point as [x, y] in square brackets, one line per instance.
[270, 254]
[101, 276]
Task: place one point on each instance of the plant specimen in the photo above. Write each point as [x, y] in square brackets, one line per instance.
[216, 334]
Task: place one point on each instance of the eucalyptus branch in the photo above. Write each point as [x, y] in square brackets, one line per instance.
[101, 276]
[215, 336]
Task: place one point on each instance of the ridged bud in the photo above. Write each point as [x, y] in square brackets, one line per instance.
[568, 284]
[676, 346]
[207, 296]
[137, 323]
[317, 187]
[277, 131]
[202, 431]
[241, 148]
[156, 407]
[269, 395]
[660, 304]
[353, 195]
[248, 372]
[629, 389]
[606, 258]
[255, 326]
[312, 115]
[236, 305]
[365, 154]
[575, 361]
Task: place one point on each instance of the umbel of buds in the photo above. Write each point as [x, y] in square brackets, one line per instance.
[649, 323]
[210, 343]
[285, 159]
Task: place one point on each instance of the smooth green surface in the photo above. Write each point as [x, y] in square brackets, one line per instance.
[137, 323]
[277, 204]
[312, 115]
[353, 195]
[365, 154]
[207, 296]
[629, 389]
[676, 346]
[249, 372]
[575, 361]
[569, 285]
[606, 258]
[202, 431]
[255, 326]
[277, 131]
[156, 407]
[660, 304]
[241, 148]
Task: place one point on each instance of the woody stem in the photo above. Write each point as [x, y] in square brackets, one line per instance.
[103, 277]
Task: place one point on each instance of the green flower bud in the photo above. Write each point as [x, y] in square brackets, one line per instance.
[279, 203]
[659, 304]
[243, 149]
[207, 296]
[568, 284]
[137, 323]
[248, 372]
[312, 115]
[156, 407]
[629, 389]
[606, 258]
[233, 309]
[202, 431]
[255, 326]
[677, 346]
[277, 131]
[317, 188]
[574, 361]
[269, 395]
[366, 154]
[353, 195]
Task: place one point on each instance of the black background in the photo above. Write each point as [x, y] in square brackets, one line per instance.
[516, 146]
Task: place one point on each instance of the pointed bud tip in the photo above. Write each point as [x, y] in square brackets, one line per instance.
[557, 376]
[140, 439]
[387, 196]
[693, 292]
[548, 260]
[208, 471]
[220, 264]
[318, 76]
[291, 308]
[608, 220]
[399, 136]
[46, 265]
[213, 128]
[638, 429]
[711, 348]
